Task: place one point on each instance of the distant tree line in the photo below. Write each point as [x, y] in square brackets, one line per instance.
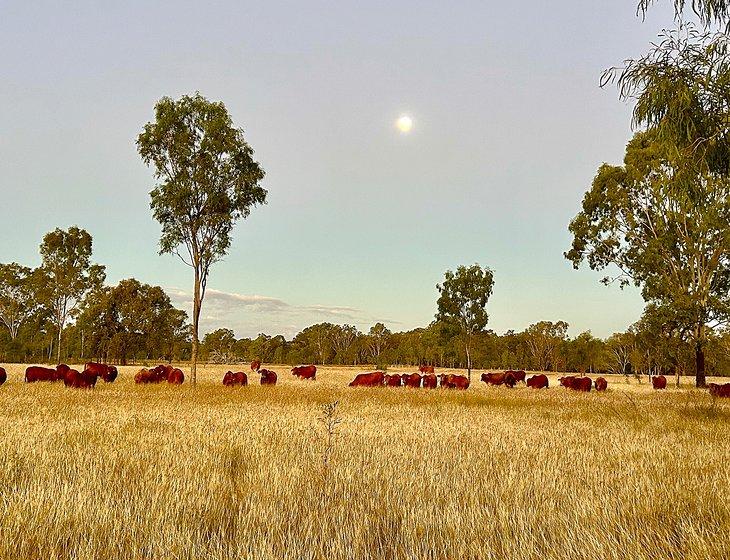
[646, 348]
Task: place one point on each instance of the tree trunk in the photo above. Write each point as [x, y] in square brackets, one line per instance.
[468, 360]
[196, 320]
[700, 365]
[58, 349]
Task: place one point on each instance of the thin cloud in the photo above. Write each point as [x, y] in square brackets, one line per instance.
[251, 314]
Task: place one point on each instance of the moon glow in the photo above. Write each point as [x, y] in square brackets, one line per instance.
[404, 124]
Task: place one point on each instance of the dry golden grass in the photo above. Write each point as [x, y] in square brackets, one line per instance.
[165, 472]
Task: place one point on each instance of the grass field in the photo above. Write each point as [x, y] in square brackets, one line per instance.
[164, 472]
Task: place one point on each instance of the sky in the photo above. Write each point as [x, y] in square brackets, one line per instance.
[362, 221]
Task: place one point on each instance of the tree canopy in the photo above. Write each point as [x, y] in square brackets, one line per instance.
[670, 240]
[709, 11]
[207, 181]
[67, 274]
[132, 320]
[463, 301]
[17, 297]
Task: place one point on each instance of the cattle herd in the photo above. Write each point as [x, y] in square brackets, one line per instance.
[426, 378]
[85, 379]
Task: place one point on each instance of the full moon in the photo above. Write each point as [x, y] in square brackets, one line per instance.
[404, 124]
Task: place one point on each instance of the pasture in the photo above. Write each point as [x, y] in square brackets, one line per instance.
[176, 472]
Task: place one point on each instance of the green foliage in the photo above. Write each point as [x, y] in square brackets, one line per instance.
[709, 11]
[667, 237]
[681, 89]
[662, 218]
[207, 181]
[17, 297]
[218, 345]
[67, 276]
[543, 340]
[377, 340]
[131, 321]
[207, 176]
[463, 301]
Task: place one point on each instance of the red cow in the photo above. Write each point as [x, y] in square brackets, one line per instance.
[305, 372]
[106, 372]
[79, 380]
[157, 374]
[452, 381]
[38, 373]
[392, 380]
[539, 381]
[509, 379]
[373, 379]
[519, 375]
[426, 369]
[659, 382]
[582, 384]
[238, 378]
[720, 390]
[255, 365]
[459, 382]
[143, 376]
[493, 378]
[430, 381]
[601, 384]
[577, 383]
[175, 376]
[268, 377]
[3, 375]
[412, 380]
[567, 381]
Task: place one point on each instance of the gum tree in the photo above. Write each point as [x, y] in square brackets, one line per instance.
[17, 297]
[463, 300]
[67, 276]
[665, 235]
[207, 181]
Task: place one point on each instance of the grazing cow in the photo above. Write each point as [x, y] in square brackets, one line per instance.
[412, 380]
[567, 381]
[157, 374]
[430, 381]
[3, 375]
[493, 378]
[452, 381]
[79, 379]
[582, 384]
[539, 381]
[143, 376]
[720, 390]
[392, 380]
[577, 383]
[268, 377]
[601, 384]
[239, 378]
[106, 372]
[255, 365]
[509, 379]
[659, 382]
[426, 369]
[519, 375]
[373, 379]
[305, 372]
[176, 376]
[152, 375]
[38, 373]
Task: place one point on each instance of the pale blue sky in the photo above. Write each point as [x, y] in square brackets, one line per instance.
[510, 127]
